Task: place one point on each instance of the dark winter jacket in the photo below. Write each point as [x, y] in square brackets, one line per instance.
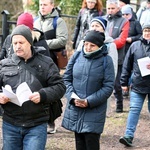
[137, 50]
[38, 41]
[90, 79]
[135, 32]
[13, 74]
[82, 24]
[117, 28]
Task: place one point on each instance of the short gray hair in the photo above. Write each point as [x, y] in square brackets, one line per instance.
[113, 2]
[52, 1]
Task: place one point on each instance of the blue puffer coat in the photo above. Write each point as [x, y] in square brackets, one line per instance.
[90, 79]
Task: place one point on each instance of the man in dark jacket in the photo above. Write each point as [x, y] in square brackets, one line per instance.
[25, 127]
[117, 28]
[138, 52]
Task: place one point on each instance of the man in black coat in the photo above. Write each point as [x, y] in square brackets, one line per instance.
[25, 126]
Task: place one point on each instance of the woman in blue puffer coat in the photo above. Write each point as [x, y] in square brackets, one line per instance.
[89, 79]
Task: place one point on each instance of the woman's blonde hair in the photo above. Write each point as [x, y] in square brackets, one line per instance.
[98, 5]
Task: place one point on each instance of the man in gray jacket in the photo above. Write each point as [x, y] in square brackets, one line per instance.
[117, 28]
[25, 127]
[53, 26]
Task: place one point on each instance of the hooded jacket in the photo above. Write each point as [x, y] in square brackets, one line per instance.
[89, 79]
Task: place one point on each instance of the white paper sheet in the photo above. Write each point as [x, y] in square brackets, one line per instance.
[75, 96]
[143, 62]
[22, 93]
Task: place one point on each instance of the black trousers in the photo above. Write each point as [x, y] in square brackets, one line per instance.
[118, 89]
[87, 141]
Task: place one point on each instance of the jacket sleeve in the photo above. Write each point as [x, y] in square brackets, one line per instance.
[77, 29]
[56, 88]
[112, 52]
[61, 35]
[5, 48]
[127, 67]
[101, 96]
[121, 40]
[68, 75]
[138, 30]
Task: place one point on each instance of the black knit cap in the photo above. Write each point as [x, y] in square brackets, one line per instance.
[24, 31]
[95, 37]
[125, 1]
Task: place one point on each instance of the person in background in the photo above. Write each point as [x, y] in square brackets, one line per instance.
[100, 24]
[143, 13]
[123, 3]
[140, 84]
[135, 32]
[90, 77]
[89, 10]
[127, 2]
[25, 127]
[56, 36]
[38, 37]
[117, 28]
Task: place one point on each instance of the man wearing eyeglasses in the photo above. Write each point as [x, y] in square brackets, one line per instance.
[117, 28]
[138, 52]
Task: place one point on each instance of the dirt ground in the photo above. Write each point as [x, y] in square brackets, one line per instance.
[114, 128]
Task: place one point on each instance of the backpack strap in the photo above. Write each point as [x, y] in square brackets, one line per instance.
[55, 22]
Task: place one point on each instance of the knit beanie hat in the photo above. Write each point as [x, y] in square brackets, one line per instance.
[126, 9]
[95, 37]
[125, 1]
[100, 20]
[24, 31]
[26, 19]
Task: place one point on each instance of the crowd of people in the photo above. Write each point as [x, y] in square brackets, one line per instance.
[109, 49]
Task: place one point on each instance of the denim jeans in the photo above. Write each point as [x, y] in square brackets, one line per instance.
[136, 104]
[22, 138]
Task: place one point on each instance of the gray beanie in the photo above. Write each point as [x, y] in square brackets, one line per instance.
[24, 31]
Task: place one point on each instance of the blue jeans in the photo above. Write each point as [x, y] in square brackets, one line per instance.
[22, 138]
[136, 104]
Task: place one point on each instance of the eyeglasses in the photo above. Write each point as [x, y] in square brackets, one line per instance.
[125, 14]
